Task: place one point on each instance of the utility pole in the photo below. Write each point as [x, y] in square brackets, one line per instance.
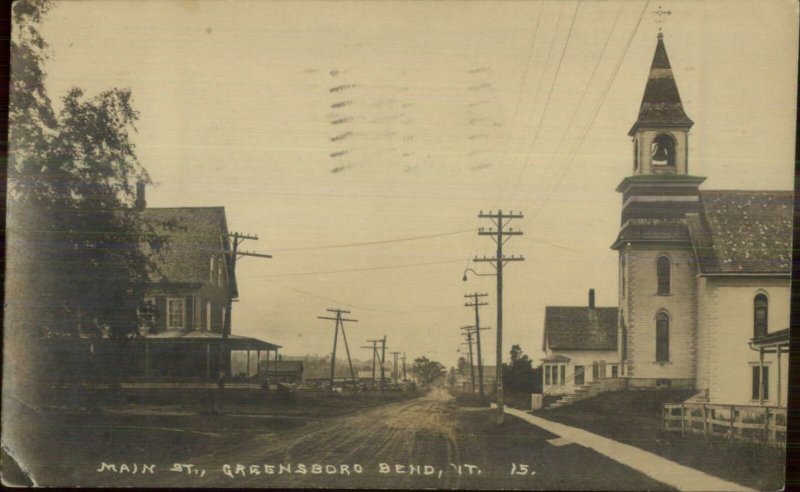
[374, 349]
[396, 372]
[230, 263]
[404, 367]
[476, 303]
[469, 332]
[383, 358]
[499, 235]
[340, 322]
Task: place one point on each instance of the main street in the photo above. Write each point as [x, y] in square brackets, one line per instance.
[425, 442]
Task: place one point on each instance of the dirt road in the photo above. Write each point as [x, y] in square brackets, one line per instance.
[426, 442]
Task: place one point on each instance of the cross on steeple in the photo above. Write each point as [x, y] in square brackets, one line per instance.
[661, 17]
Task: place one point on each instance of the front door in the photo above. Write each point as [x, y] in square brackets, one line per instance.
[579, 374]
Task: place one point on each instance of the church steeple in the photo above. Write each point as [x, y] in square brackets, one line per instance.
[660, 133]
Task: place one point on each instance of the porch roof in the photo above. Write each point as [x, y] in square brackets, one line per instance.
[555, 358]
[775, 339]
[235, 342]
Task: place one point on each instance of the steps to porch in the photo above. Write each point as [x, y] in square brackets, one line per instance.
[587, 390]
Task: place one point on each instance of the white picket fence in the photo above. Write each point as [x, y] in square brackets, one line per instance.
[755, 423]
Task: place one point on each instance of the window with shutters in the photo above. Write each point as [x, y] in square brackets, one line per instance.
[212, 269]
[662, 337]
[208, 315]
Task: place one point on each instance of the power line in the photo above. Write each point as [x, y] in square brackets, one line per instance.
[415, 311]
[388, 267]
[547, 101]
[370, 243]
[523, 79]
[585, 90]
[594, 116]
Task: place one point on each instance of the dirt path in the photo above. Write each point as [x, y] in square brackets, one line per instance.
[422, 443]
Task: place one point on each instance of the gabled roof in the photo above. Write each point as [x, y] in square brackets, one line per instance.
[580, 328]
[661, 103]
[193, 235]
[743, 232]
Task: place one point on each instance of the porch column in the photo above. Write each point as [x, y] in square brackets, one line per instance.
[778, 348]
[258, 360]
[247, 371]
[761, 376]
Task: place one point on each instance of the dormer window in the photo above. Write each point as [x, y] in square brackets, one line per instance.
[662, 150]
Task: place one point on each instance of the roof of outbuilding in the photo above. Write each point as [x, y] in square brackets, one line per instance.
[744, 232]
[661, 103]
[580, 328]
[193, 234]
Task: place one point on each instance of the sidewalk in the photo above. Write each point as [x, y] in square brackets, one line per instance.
[661, 469]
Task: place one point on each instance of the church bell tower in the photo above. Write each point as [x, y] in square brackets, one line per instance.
[661, 132]
[656, 260]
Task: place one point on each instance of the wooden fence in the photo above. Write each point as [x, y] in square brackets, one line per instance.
[747, 422]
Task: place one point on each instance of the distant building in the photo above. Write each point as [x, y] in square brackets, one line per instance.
[284, 371]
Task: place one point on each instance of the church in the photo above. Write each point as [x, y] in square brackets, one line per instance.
[704, 275]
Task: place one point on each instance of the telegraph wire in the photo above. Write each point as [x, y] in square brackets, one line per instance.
[547, 101]
[585, 89]
[370, 243]
[347, 270]
[365, 308]
[594, 116]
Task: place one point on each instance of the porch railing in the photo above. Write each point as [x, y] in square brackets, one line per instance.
[755, 423]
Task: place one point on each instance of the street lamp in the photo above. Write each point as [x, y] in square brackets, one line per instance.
[464, 278]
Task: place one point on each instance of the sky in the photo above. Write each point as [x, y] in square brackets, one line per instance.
[320, 126]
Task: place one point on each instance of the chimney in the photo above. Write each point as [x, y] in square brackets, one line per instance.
[591, 298]
[140, 202]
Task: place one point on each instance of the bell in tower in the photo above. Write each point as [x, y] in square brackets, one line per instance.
[661, 131]
[663, 151]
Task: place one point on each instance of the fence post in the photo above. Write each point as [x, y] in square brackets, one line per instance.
[766, 424]
[683, 418]
[733, 422]
[705, 420]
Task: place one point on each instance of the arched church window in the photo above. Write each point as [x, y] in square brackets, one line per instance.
[662, 150]
[663, 273]
[760, 315]
[662, 337]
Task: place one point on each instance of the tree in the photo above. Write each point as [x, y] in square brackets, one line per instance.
[77, 267]
[463, 365]
[427, 371]
[519, 375]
